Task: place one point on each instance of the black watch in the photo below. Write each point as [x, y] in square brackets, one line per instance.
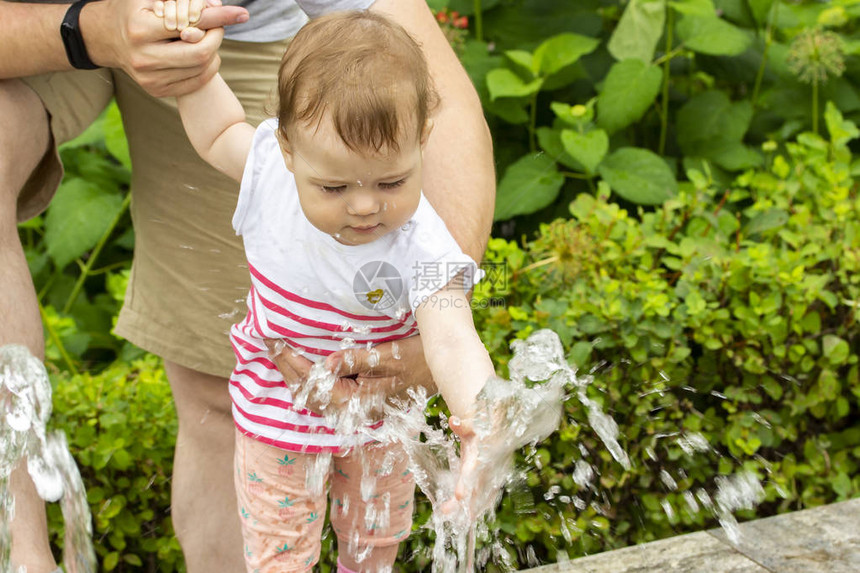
[70, 31]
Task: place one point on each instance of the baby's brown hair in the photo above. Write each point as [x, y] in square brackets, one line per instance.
[362, 70]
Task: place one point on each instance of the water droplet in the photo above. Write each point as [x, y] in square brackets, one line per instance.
[372, 357]
[668, 480]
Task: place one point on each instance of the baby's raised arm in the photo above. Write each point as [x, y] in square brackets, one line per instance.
[215, 123]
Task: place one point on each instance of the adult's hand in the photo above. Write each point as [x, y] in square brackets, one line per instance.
[391, 368]
[294, 367]
[388, 369]
[127, 34]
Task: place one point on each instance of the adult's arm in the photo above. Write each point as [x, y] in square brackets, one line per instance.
[459, 175]
[123, 34]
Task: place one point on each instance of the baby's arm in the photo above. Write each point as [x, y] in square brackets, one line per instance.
[454, 352]
[460, 366]
[215, 123]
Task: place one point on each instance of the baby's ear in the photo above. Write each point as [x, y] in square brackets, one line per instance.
[286, 149]
[425, 132]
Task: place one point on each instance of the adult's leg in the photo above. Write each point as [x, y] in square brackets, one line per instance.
[24, 139]
[203, 498]
[187, 287]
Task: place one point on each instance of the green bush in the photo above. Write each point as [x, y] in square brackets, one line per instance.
[725, 313]
[121, 427]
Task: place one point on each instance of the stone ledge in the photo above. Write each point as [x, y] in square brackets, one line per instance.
[823, 539]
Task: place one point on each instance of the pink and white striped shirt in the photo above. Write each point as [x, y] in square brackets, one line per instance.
[320, 296]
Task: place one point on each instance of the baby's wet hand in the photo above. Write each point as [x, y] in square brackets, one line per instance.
[481, 474]
[468, 480]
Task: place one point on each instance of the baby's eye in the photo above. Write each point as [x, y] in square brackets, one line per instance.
[333, 188]
[392, 185]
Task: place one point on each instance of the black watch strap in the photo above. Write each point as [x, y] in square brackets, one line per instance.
[70, 31]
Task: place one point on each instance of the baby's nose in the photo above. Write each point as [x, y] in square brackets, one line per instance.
[363, 204]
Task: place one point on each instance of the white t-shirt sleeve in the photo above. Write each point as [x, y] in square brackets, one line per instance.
[436, 257]
[316, 8]
[263, 147]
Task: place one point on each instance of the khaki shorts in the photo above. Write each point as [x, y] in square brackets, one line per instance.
[189, 277]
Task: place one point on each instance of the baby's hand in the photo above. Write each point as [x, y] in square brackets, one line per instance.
[484, 466]
[179, 15]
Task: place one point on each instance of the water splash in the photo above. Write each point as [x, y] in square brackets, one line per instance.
[738, 491]
[510, 414]
[25, 405]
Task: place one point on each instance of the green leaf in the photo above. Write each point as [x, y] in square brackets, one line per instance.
[529, 184]
[511, 110]
[828, 387]
[502, 82]
[696, 7]
[549, 140]
[115, 139]
[526, 23]
[708, 121]
[523, 59]
[760, 9]
[766, 221]
[628, 91]
[713, 36]
[639, 30]
[639, 175]
[583, 206]
[580, 353]
[589, 148]
[842, 484]
[561, 51]
[733, 155]
[841, 131]
[111, 560]
[835, 349]
[79, 215]
[92, 135]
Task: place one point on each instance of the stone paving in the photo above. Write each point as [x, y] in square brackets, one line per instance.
[824, 539]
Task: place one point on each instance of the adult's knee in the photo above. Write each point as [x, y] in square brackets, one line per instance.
[202, 401]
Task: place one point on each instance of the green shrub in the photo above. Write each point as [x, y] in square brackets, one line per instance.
[726, 313]
[121, 427]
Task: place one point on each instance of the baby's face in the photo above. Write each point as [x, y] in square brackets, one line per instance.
[353, 196]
